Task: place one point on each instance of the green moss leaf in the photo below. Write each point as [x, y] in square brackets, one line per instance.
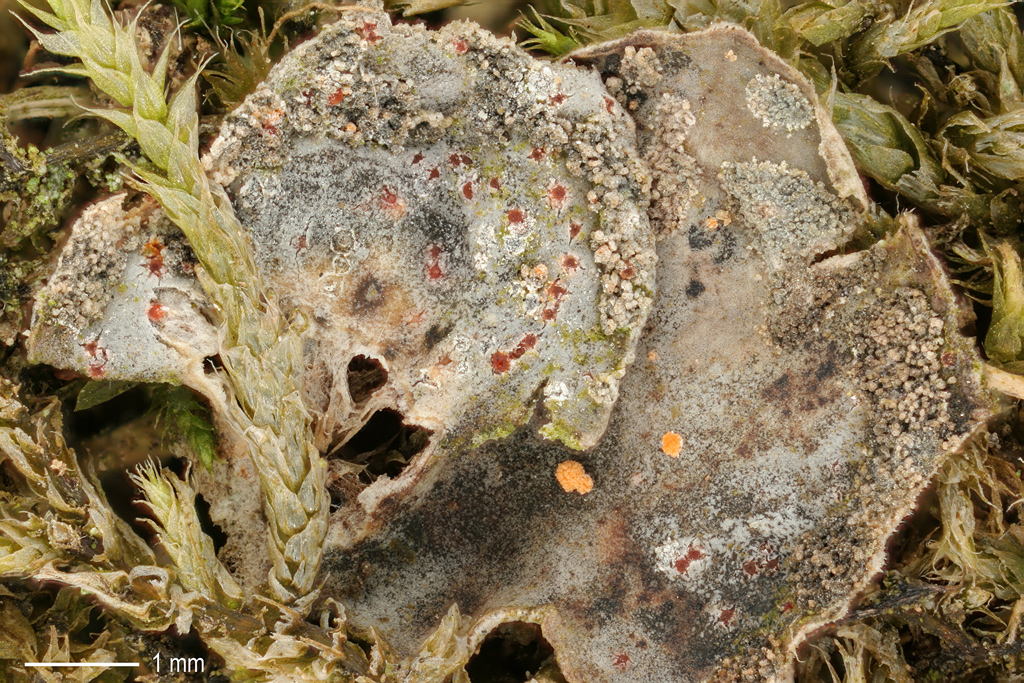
[181, 413]
[97, 392]
[1005, 339]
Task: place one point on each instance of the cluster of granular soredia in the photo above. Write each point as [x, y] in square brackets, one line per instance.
[466, 194]
[900, 368]
[661, 138]
[778, 103]
[78, 291]
[637, 71]
[662, 142]
[792, 214]
[889, 332]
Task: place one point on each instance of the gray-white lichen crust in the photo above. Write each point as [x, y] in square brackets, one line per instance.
[469, 217]
[479, 227]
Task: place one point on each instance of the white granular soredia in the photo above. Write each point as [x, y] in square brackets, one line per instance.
[778, 103]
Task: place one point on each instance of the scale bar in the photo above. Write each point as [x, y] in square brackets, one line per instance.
[55, 664]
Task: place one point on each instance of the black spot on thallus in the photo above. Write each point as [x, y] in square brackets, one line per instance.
[826, 369]
[435, 334]
[611, 65]
[694, 289]
[698, 238]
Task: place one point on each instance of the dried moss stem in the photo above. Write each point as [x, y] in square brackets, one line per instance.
[260, 348]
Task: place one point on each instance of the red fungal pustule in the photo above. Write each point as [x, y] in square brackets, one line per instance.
[568, 262]
[93, 348]
[537, 154]
[269, 121]
[434, 174]
[467, 190]
[609, 104]
[528, 342]
[628, 271]
[726, 616]
[549, 314]
[457, 160]
[771, 565]
[621, 661]
[500, 362]
[369, 31]
[435, 267]
[460, 45]
[556, 290]
[574, 229]
[788, 607]
[495, 184]
[156, 312]
[557, 194]
[750, 568]
[391, 203]
[516, 216]
[300, 243]
[683, 563]
[153, 250]
[336, 97]
[557, 98]
[417, 158]
[98, 354]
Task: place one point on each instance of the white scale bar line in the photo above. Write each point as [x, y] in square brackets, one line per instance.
[82, 664]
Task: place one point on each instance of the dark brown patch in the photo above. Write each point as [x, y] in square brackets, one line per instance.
[369, 296]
